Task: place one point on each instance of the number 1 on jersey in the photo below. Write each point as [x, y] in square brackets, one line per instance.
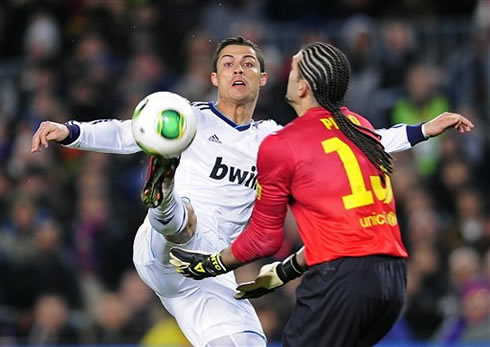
[360, 195]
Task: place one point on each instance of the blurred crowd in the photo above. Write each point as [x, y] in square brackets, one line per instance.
[68, 218]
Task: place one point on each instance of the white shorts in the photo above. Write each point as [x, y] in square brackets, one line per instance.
[205, 310]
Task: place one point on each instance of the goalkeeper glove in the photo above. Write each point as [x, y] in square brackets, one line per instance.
[271, 276]
[196, 265]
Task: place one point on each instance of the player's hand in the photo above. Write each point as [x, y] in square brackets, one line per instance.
[48, 131]
[445, 121]
[196, 265]
[271, 277]
[266, 282]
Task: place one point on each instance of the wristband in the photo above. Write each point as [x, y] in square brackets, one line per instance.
[289, 269]
[74, 130]
[415, 134]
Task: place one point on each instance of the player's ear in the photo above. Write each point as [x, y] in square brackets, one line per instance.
[263, 78]
[214, 79]
[302, 87]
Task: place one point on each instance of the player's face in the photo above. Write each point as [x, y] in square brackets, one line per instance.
[238, 75]
[294, 87]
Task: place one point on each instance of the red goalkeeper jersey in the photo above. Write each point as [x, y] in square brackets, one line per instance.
[342, 207]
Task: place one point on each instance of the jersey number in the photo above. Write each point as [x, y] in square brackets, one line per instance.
[360, 195]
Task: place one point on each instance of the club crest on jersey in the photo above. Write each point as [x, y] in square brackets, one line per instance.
[222, 171]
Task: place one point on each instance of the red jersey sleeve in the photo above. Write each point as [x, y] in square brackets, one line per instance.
[264, 234]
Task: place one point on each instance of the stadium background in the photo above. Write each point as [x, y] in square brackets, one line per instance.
[68, 218]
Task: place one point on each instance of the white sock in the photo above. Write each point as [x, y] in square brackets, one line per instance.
[171, 216]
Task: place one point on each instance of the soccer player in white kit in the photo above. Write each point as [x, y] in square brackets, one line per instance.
[217, 175]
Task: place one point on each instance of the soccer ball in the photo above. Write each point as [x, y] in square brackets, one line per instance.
[164, 124]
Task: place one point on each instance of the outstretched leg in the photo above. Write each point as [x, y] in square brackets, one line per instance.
[168, 213]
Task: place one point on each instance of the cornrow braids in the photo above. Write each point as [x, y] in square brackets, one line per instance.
[327, 71]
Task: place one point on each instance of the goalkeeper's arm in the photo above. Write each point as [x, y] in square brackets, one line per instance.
[272, 276]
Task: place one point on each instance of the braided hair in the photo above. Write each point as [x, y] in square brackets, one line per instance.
[327, 71]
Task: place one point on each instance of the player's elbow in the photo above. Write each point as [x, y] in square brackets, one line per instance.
[272, 243]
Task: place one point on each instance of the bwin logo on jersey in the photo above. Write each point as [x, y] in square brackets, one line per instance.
[235, 175]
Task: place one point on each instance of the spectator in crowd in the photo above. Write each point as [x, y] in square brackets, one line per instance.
[463, 268]
[139, 301]
[471, 325]
[398, 51]
[359, 41]
[422, 102]
[52, 323]
[112, 321]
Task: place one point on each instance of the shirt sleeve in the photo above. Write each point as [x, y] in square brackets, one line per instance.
[264, 234]
[104, 135]
[401, 137]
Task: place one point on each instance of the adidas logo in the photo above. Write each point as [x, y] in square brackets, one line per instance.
[214, 138]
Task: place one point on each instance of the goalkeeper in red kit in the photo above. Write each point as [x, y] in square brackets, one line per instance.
[330, 168]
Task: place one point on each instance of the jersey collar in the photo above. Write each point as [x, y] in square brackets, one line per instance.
[239, 127]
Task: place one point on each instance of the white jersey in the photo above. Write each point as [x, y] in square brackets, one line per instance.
[217, 171]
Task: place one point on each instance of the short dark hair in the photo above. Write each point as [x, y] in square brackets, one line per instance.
[239, 41]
